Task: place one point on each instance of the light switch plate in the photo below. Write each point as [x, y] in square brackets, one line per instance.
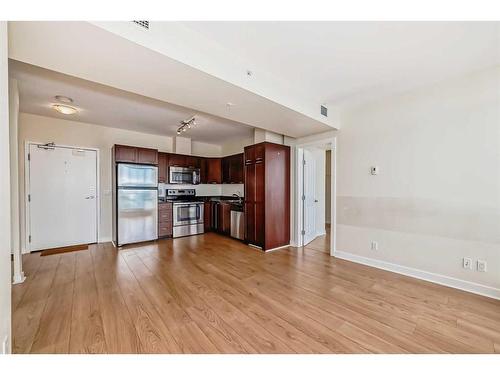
[481, 265]
[467, 263]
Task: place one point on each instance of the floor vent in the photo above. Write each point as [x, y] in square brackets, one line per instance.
[143, 24]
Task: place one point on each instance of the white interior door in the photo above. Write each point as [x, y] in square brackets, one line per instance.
[309, 188]
[62, 197]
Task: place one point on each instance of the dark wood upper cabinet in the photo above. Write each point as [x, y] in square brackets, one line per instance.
[203, 170]
[237, 175]
[232, 169]
[162, 167]
[177, 160]
[139, 155]
[125, 154]
[267, 195]
[226, 170]
[147, 156]
[214, 170]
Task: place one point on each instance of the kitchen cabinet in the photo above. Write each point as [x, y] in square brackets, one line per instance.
[162, 167]
[232, 169]
[207, 216]
[267, 195]
[165, 222]
[139, 155]
[177, 160]
[226, 167]
[192, 162]
[224, 217]
[147, 156]
[214, 170]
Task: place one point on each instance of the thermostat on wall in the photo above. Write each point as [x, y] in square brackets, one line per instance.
[374, 170]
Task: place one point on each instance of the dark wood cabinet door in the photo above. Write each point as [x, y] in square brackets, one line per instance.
[165, 223]
[214, 171]
[250, 222]
[259, 152]
[192, 161]
[236, 169]
[207, 216]
[147, 156]
[225, 218]
[177, 160]
[162, 167]
[226, 170]
[250, 183]
[125, 154]
[249, 154]
[203, 170]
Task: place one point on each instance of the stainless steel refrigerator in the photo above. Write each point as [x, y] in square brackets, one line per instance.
[136, 203]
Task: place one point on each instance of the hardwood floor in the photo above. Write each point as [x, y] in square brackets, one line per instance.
[321, 243]
[212, 294]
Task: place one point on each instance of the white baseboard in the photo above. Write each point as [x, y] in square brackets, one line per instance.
[18, 278]
[452, 282]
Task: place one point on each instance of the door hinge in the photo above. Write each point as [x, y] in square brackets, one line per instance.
[29, 238]
[303, 197]
[29, 197]
[303, 162]
[303, 232]
[29, 157]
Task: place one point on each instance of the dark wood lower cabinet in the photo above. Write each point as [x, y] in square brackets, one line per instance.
[165, 223]
[207, 216]
[225, 218]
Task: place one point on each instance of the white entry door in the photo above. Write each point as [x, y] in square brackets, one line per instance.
[309, 187]
[62, 197]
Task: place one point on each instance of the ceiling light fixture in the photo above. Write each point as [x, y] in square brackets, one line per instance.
[63, 99]
[64, 109]
[186, 124]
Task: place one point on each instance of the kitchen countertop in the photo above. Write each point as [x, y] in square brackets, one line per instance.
[234, 206]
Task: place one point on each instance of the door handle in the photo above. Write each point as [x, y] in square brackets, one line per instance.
[315, 201]
[90, 197]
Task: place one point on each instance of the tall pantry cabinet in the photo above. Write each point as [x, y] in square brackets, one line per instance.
[267, 195]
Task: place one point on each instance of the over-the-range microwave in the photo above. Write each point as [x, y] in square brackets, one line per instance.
[182, 175]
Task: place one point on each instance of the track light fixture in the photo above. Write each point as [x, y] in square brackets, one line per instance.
[186, 124]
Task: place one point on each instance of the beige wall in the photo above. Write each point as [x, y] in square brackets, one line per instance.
[437, 197]
[5, 250]
[44, 129]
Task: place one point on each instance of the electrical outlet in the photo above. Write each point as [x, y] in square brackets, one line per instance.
[481, 265]
[467, 263]
[374, 245]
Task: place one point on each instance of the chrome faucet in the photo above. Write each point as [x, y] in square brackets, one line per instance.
[237, 196]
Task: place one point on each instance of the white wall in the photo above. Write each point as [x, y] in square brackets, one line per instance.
[205, 149]
[437, 197]
[14, 166]
[44, 129]
[5, 229]
[236, 146]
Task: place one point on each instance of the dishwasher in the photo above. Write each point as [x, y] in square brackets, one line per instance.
[237, 225]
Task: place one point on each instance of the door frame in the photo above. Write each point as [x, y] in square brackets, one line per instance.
[27, 187]
[299, 190]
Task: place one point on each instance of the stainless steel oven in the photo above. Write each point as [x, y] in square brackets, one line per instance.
[187, 218]
[182, 175]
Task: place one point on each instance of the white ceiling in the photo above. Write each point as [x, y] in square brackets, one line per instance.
[104, 105]
[347, 63]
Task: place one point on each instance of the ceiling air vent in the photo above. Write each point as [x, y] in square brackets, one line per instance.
[143, 24]
[324, 111]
